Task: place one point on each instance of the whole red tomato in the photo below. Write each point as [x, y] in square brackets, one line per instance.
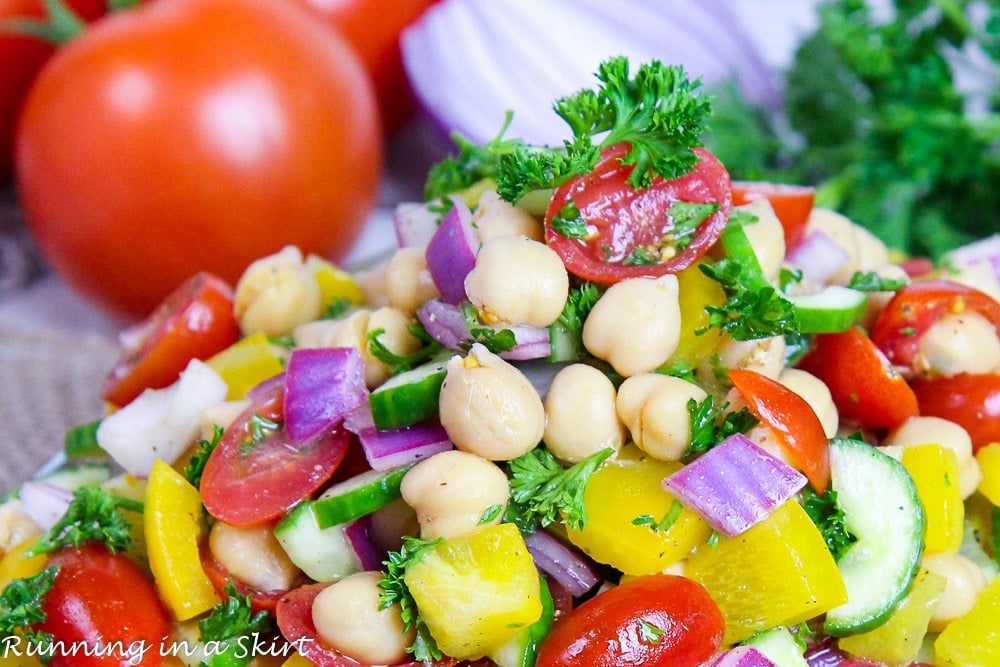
[195, 134]
[22, 57]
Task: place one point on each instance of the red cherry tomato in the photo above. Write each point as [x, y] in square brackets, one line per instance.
[194, 322]
[791, 203]
[217, 132]
[656, 621]
[220, 578]
[100, 597]
[971, 401]
[864, 385]
[796, 426]
[917, 306]
[627, 219]
[248, 482]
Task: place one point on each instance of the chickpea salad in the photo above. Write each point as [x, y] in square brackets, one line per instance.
[604, 406]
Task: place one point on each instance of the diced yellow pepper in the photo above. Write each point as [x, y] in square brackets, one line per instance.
[297, 660]
[898, 640]
[934, 470]
[623, 489]
[777, 573]
[476, 591]
[988, 458]
[696, 291]
[173, 532]
[8, 658]
[334, 283]
[973, 640]
[245, 364]
[16, 565]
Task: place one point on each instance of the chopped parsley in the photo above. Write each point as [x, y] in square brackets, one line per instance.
[569, 223]
[491, 513]
[399, 363]
[542, 491]
[395, 591]
[872, 282]
[679, 369]
[22, 605]
[260, 428]
[751, 311]
[711, 425]
[337, 308]
[828, 516]
[234, 618]
[640, 256]
[494, 340]
[196, 465]
[664, 524]
[650, 633]
[687, 216]
[94, 515]
[788, 277]
[566, 333]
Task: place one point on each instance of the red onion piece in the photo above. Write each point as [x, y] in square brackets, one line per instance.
[414, 225]
[444, 322]
[985, 251]
[451, 253]
[741, 656]
[564, 564]
[265, 387]
[818, 257]
[322, 386]
[369, 556]
[45, 503]
[389, 449]
[532, 343]
[540, 374]
[734, 485]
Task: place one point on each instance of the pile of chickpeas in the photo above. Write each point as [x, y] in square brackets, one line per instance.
[493, 414]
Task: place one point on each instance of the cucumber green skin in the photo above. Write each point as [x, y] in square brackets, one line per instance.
[778, 646]
[74, 477]
[522, 649]
[817, 321]
[843, 621]
[323, 554]
[406, 404]
[356, 503]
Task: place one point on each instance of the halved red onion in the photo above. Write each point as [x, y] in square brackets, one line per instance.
[322, 386]
[564, 564]
[451, 253]
[741, 656]
[45, 503]
[734, 485]
[369, 556]
[444, 322]
[818, 257]
[389, 449]
[414, 225]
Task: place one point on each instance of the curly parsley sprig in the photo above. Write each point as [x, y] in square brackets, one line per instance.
[543, 492]
[21, 606]
[94, 515]
[233, 618]
[395, 591]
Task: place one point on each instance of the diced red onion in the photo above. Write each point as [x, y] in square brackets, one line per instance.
[45, 503]
[564, 564]
[414, 225]
[985, 251]
[741, 656]
[734, 485]
[444, 322]
[369, 556]
[394, 448]
[818, 257]
[825, 654]
[532, 343]
[451, 253]
[322, 386]
[255, 393]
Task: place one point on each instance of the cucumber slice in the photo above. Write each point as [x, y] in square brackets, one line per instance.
[522, 649]
[409, 397]
[324, 554]
[882, 509]
[358, 496]
[778, 646]
[72, 478]
[832, 310]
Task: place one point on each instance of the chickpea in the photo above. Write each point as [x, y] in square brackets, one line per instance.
[254, 556]
[963, 580]
[766, 236]
[374, 285]
[958, 343]
[980, 276]
[815, 392]
[494, 218]
[654, 408]
[489, 408]
[635, 326]
[518, 280]
[396, 337]
[937, 431]
[764, 355]
[15, 525]
[452, 491]
[347, 617]
[277, 293]
[580, 414]
[872, 252]
[408, 283]
[347, 331]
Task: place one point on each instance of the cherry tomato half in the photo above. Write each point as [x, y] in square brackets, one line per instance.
[864, 385]
[971, 401]
[249, 481]
[917, 306]
[658, 621]
[101, 597]
[792, 420]
[194, 322]
[791, 203]
[628, 220]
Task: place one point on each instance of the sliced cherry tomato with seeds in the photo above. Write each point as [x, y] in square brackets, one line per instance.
[971, 401]
[791, 203]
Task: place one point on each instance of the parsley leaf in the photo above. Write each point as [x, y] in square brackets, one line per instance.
[664, 524]
[21, 606]
[495, 340]
[787, 277]
[399, 363]
[490, 513]
[649, 633]
[94, 515]
[872, 282]
[527, 168]
[686, 217]
[337, 307]
[748, 313]
[234, 618]
[679, 369]
[566, 333]
[543, 492]
[569, 223]
[826, 513]
[640, 256]
[196, 465]
[707, 430]
[395, 591]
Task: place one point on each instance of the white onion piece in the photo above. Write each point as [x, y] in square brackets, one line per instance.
[161, 423]
[818, 257]
[45, 503]
[984, 251]
[471, 60]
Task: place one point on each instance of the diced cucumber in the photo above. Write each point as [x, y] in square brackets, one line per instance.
[357, 496]
[522, 649]
[409, 397]
[832, 310]
[324, 554]
[882, 509]
[778, 646]
[76, 477]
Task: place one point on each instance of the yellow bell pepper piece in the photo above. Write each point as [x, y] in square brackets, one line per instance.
[696, 291]
[173, 532]
[777, 573]
[898, 640]
[934, 470]
[9, 659]
[334, 283]
[245, 364]
[623, 489]
[988, 458]
[16, 565]
[973, 640]
[476, 591]
[297, 660]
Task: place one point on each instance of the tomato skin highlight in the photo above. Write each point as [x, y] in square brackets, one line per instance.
[971, 401]
[100, 596]
[792, 420]
[791, 203]
[201, 148]
[627, 218]
[864, 385]
[607, 630]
